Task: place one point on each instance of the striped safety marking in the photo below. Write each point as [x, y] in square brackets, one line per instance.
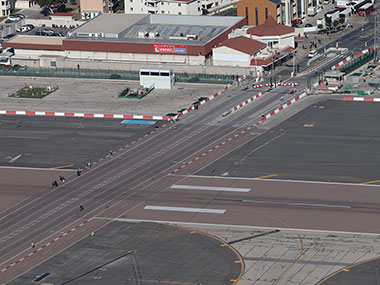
[362, 99]
[246, 102]
[43, 246]
[347, 59]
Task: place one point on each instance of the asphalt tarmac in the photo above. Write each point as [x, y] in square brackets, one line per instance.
[46, 142]
[328, 141]
[140, 253]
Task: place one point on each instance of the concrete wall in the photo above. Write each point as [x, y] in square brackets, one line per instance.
[225, 56]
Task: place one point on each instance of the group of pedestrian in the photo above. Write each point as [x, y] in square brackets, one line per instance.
[61, 179]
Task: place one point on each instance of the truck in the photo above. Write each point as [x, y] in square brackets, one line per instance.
[312, 11]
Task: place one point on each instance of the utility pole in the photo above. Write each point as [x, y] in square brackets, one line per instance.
[376, 40]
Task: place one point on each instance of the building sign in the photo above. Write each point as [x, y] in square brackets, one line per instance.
[169, 49]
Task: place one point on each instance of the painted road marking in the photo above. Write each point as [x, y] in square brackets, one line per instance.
[62, 166]
[297, 204]
[210, 188]
[138, 122]
[370, 182]
[15, 158]
[266, 176]
[182, 209]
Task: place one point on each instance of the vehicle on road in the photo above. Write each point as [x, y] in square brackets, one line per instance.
[21, 16]
[13, 18]
[48, 31]
[308, 25]
[7, 37]
[312, 53]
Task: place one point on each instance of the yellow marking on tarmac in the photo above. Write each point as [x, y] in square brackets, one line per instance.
[63, 166]
[370, 182]
[346, 269]
[193, 232]
[233, 280]
[237, 261]
[266, 176]
[224, 244]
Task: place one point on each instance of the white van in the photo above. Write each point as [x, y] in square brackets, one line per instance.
[312, 53]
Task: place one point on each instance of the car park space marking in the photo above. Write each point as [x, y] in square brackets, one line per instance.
[183, 209]
[362, 99]
[36, 250]
[210, 188]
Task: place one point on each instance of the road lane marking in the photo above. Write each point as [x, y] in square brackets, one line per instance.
[370, 182]
[15, 158]
[182, 209]
[266, 202]
[63, 166]
[210, 188]
[266, 176]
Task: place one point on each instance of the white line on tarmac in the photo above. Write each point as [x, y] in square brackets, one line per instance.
[276, 180]
[210, 188]
[181, 209]
[297, 204]
[15, 158]
[236, 226]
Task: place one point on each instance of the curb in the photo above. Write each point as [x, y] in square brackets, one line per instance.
[246, 102]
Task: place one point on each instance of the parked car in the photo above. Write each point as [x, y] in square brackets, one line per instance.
[13, 18]
[308, 25]
[296, 21]
[7, 37]
[25, 28]
[48, 31]
[41, 34]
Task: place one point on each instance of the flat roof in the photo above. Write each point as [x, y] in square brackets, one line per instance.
[158, 29]
[42, 40]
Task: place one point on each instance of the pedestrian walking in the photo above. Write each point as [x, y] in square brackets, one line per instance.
[54, 183]
[111, 153]
[81, 208]
[61, 178]
[88, 164]
[33, 245]
[79, 172]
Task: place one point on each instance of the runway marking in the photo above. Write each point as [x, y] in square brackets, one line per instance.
[266, 176]
[182, 209]
[297, 204]
[63, 166]
[210, 188]
[370, 182]
[15, 158]
[30, 168]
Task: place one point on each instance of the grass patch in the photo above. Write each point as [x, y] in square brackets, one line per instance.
[2, 18]
[15, 11]
[34, 92]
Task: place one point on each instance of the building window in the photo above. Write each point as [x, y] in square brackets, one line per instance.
[266, 13]
[131, 1]
[179, 13]
[131, 8]
[246, 12]
[179, 5]
[257, 16]
[216, 3]
[162, 12]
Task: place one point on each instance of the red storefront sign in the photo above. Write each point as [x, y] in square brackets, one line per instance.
[170, 49]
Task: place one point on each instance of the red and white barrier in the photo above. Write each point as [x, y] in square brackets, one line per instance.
[347, 59]
[362, 99]
[83, 115]
[246, 102]
[269, 84]
[267, 116]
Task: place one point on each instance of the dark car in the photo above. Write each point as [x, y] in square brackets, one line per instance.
[41, 34]
[7, 37]
[308, 25]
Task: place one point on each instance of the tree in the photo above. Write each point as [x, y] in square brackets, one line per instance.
[336, 23]
[342, 20]
[48, 3]
[320, 26]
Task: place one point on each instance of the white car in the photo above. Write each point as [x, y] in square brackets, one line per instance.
[25, 28]
[13, 18]
[312, 53]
